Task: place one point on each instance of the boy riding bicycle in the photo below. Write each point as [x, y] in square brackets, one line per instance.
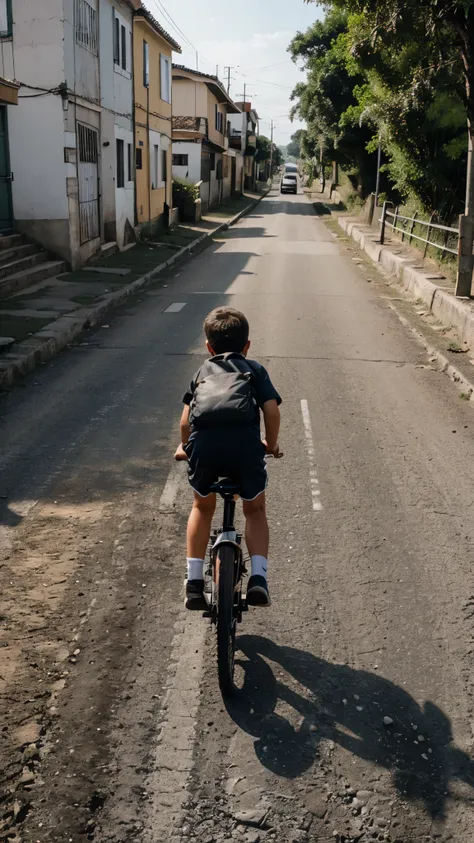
[220, 437]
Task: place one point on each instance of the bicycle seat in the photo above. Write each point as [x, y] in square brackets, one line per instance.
[226, 487]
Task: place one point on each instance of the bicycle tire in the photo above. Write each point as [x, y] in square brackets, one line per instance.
[226, 619]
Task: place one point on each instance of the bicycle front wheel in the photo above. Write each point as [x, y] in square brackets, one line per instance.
[226, 618]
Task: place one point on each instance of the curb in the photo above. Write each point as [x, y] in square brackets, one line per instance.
[419, 286]
[26, 355]
[456, 312]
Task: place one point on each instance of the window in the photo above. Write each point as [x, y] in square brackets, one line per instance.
[138, 159]
[86, 25]
[164, 165]
[165, 71]
[146, 65]
[129, 162]
[116, 41]
[124, 48]
[180, 160]
[120, 163]
[219, 120]
[154, 169]
[122, 42]
[212, 159]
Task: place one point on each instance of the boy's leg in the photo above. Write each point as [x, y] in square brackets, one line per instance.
[199, 526]
[199, 529]
[256, 526]
[257, 539]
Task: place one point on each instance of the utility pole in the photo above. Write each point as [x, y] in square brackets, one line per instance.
[466, 226]
[271, 148]
[379, 162]
[197, 60]
[228, 73]
[244, 95]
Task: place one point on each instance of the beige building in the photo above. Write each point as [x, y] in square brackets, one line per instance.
[201, 153]
[152, 98]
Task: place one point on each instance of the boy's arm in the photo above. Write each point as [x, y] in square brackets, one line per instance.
[271, 418]
[185, 426]
[185, 434]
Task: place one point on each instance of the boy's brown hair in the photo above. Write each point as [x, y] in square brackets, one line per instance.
[226, 330]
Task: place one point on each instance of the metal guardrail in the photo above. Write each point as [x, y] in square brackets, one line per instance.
[406, 227]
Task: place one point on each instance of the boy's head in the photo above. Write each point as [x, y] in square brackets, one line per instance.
[226, 330]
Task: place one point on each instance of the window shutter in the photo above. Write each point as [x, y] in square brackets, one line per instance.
[116, 40]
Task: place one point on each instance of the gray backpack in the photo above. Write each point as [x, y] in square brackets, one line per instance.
[223, 396]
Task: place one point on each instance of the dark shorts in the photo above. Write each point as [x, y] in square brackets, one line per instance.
[237, 453]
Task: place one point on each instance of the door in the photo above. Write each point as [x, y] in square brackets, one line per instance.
[6, 214]
[88, 178]
[233, 175]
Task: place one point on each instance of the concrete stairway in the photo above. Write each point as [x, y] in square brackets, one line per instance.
[23, 264]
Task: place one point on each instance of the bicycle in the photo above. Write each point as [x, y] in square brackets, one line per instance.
[223, 579]
[223, 585]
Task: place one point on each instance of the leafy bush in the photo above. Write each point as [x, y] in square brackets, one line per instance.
[184, 191]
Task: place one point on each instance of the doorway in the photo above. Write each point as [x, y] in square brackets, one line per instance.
[6, 208]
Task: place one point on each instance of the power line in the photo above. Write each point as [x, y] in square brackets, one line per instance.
[180, 32]
[265, 66]
[275, 84]
[159, 5]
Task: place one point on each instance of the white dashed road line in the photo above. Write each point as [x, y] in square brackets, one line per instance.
[313, 476]
[175, 307]
[175, 478]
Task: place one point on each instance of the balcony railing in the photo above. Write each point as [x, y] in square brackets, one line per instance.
[195, 125]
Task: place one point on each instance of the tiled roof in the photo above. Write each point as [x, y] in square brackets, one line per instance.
[215, 79]
[144, 13]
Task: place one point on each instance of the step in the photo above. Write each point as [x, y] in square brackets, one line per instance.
[10, 240]
[16, 266]
[28, 277]
[108, 249]
[18, 252]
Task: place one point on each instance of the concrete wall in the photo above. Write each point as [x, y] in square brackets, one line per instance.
[215, 185]
[193, 171]
[36, 126]
[81, 65]
[216, 137]
[116, 99]
[125, 196]
[151, 109]
[189, 98]
[239, 176]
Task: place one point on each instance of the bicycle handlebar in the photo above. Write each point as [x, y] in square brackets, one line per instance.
[183, 457]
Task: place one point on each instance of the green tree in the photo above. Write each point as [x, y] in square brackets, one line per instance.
[294, 147]
[264, 147]
[326, 96]
[277, 157]
[432, 36]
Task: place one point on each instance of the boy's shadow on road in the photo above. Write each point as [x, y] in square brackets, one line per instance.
[348, 707]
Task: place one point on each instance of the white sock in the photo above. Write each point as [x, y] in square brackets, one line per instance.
[195, 569]
[259, 566]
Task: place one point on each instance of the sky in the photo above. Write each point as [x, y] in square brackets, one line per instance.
[252, 37]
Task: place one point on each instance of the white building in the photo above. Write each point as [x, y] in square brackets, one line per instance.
[201, 151]
[71, 135]
[243, 136]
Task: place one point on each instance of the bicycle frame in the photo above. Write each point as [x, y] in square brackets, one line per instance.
[227, 535]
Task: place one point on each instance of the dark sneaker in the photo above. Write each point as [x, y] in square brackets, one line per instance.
[195, 596]
[257, 592]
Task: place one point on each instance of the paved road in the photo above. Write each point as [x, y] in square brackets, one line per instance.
[356, 717]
